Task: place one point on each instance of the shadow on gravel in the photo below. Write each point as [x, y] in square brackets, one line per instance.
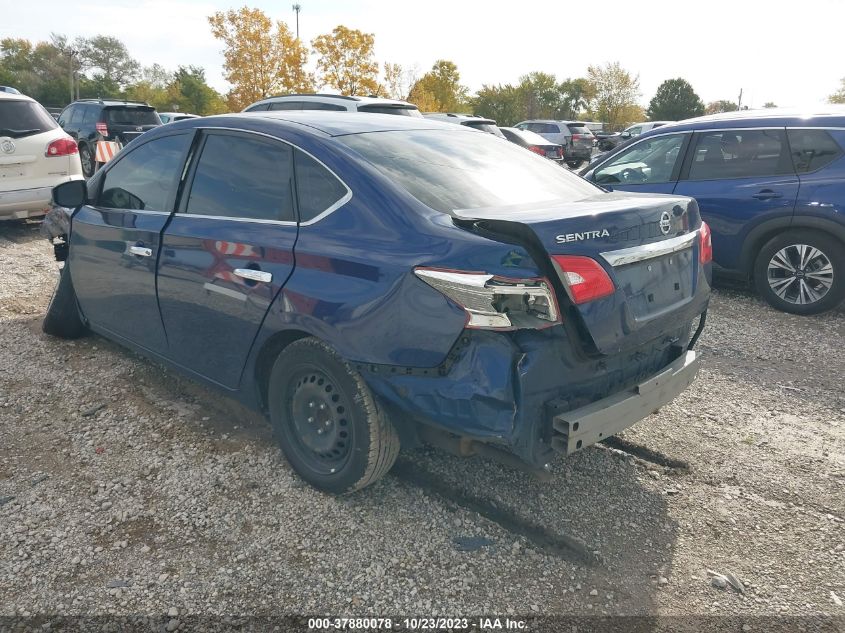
[20, 231]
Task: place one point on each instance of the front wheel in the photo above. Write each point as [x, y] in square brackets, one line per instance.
[574, 164]
[328, 424]
[801, 271]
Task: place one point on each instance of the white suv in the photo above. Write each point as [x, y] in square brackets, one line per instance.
[337, 103]
[35, 156]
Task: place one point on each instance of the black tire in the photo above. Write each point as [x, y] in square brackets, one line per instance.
[347, 442]
[574, 164]
[817, 284]
[62, 318]
[87, 160]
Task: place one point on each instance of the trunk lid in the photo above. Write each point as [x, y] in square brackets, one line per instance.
[647, 244]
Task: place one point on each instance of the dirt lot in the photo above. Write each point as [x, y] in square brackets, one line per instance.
[126, 489]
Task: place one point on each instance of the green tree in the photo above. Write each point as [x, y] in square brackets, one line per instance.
[112, 65]
[723, 105]
[504, 104]
[195, 94]
[839, 95]
[614, 92]
[346, 61]
[770, 104]
[440, 89]
[674, 100]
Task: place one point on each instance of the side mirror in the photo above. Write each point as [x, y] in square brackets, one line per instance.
[71, 194]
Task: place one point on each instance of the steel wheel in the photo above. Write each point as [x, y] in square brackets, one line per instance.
[319, 414]
[800, 274]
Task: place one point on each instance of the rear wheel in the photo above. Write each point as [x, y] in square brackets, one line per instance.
[574, 164]
[328, 424]
[62, 318]
[87, 160]
[802, 272]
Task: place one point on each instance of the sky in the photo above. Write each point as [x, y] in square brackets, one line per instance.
[789, 53]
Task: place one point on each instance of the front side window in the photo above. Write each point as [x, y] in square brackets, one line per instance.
[812, 149]
[635, 131]
[650, 161]
[449, 171]
[147, 176]
[317, 188]
[243, 177]
[740, 154]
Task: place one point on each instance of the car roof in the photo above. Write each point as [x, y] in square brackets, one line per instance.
[832, 115]
[566, 121]
[11, 96]
[113, 102]
[455, 117]
[328, 123]
[331, 97]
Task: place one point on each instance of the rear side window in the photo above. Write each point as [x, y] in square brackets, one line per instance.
[243, 177]
[317, 188]
[400, 110]
[24, 118]
[131, 116]
[258, 108]
[286, 105]
[76, 116]
[740, 154]
[316, 105]
[146, 177]
[89, 116]
[812, 149]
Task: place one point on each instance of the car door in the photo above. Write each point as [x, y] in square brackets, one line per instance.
[651, 165]
[227, 251]
[115, 239]
[740, 177]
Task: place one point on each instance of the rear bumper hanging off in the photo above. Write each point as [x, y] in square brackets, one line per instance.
[579, 428]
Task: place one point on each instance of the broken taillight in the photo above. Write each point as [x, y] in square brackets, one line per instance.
[584, 277]
[496, 303]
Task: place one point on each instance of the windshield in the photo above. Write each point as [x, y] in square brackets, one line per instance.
[24, 118]
[131, 116]
[449, 171]
[381, 109]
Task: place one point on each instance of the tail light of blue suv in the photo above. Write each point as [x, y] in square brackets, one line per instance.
[496, 303]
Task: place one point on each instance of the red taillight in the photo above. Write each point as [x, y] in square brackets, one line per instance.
[585, 277]
[537, 150]
[560, 152]
[103, 129]
[705, 244]
[64, 146]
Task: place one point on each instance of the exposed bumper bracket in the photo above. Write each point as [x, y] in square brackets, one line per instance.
[579, 428]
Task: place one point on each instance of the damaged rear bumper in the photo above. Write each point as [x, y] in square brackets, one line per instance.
[581, 427]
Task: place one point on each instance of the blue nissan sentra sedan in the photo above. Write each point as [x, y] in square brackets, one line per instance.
[371, 281]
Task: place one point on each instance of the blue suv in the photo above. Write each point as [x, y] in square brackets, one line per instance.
[771, 185]
[374, 280]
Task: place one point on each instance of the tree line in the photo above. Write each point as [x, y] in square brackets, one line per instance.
[263, 57]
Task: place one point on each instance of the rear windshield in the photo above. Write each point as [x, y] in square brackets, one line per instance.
[531, 138]
[131, 116]
[402, 110]
[579, 129]
[449, 171]
[24, 118]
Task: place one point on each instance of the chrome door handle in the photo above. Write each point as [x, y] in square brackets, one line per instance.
[141, 251]
[254, 275]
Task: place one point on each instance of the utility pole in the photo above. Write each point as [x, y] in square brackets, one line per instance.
[71, 54]
[739, 101]
[297, 7]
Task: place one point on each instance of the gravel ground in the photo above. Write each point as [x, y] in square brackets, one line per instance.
[125, 489]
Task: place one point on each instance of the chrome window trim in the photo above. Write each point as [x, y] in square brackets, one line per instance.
[641, 253]
[331, 209]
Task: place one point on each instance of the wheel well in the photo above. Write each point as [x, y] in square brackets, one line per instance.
[267, 356]
[764, 234]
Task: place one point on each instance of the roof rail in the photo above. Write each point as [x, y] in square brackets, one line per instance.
[313, 94]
